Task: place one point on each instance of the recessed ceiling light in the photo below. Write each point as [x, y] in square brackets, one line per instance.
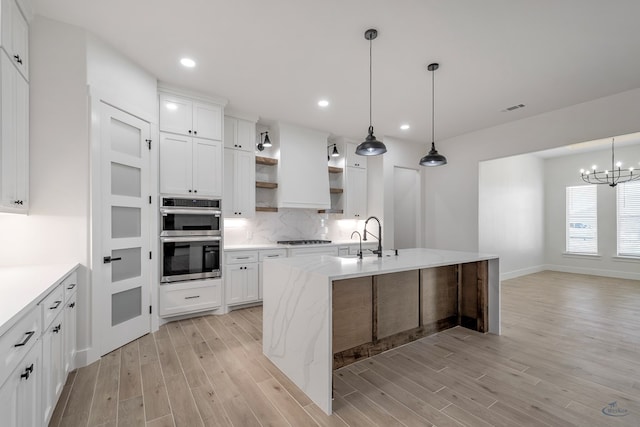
[404, 126]
[323, 103]
[171, 106]
[188, 62]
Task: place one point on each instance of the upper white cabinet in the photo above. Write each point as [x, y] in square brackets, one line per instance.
[303, 181]
[15, 36]
[239, 134]
[190, 166]
[14, 142]
[185, 116]
[191, 160]
[239, 200]
[356, 193]
[352, 159]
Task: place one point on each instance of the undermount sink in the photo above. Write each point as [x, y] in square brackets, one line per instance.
[368, 255]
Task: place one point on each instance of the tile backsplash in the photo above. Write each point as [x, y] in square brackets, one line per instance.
[288, 224]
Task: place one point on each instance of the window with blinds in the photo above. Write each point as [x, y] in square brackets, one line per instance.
[582, 219]
[628, 212]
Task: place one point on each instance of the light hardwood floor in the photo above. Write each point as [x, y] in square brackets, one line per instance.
[570, 348]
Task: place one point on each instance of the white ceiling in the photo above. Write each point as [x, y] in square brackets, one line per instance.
[277, 58]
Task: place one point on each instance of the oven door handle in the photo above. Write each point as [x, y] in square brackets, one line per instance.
[190, 239]
[170, 211]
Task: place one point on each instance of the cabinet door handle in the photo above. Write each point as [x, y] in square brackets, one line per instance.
[192, 297]
[26, 340]
[18, 59]
[195, 191]
[55, 305]
[273, 256]
[71, 286]
[57, 329]
[189, 130]
[195, 132]
[189, 191]
[27, 372]
[73, 304]
[242, 257]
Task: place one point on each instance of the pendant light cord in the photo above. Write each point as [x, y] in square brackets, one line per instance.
[433, 108]
[370, 78]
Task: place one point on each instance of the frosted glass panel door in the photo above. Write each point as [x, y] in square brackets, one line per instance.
[125, 288]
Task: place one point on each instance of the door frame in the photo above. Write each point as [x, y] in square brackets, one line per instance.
[95, 99]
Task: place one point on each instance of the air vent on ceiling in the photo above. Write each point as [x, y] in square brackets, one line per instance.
[513, 107]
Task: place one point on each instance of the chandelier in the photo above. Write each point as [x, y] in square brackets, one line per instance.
[611, 177]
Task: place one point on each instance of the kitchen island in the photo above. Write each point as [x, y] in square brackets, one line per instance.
[324, 312]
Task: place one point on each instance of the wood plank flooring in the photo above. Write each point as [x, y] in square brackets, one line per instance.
[569, 355]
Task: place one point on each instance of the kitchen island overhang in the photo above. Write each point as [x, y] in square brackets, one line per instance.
[298, 308]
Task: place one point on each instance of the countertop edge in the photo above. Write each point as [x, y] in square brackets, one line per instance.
[65, 270]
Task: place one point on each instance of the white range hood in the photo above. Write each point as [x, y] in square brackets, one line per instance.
[303, 177]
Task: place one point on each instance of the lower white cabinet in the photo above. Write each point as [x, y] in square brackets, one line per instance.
[267, 254]
[37, 351]
[190, 297]
[70, 321]
[21, 393]
[53, 372]
[242, 283]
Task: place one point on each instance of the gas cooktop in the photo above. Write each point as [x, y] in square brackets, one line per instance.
[303, 242]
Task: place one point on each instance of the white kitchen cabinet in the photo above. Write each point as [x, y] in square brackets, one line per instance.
[53, 354]
[15, 36]
[190, 297]
[14, 142]
[356, 193]
[241, 277]
[239, 199]
[21, 393]
[239, 134]
[267, 254]
[352, 159]
[190, 166]
[190, 117]
[70, 285]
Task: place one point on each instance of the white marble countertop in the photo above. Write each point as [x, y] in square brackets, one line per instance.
[335, 267]
[23, 287]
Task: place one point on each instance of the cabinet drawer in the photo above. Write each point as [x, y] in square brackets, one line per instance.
[272, 253]
[241, 257]
[52, 305]
[181, 298]
[70, 285]
[18, 340]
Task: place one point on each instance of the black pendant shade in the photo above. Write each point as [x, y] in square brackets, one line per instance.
[371, 146]
[433, 158]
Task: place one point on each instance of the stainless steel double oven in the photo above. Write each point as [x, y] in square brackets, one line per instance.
[190, 239]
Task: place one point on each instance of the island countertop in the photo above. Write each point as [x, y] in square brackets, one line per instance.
[335, 267]
[298, 306]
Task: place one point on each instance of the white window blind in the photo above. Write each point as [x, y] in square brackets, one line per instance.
[582, 219]
[628, 196]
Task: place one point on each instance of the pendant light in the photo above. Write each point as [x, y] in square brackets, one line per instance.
[371, 146]
[433, 158]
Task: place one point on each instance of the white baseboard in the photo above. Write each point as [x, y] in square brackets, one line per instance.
[523, 272]
[594, 271]
[85, 357]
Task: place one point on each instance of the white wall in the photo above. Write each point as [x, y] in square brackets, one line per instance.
[451, 191]
[121, 81]
[511, 213]
[561, 172]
